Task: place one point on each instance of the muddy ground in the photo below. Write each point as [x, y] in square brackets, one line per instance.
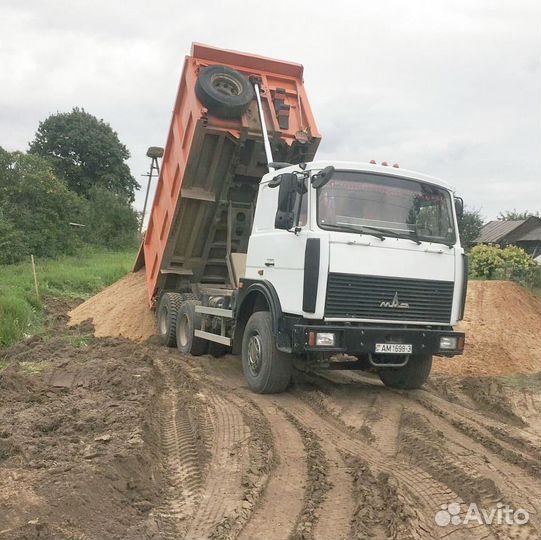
[108, 438]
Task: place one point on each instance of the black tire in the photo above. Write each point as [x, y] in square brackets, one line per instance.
[188, 320]
[413, 375]
[266, 369]
[223, 91]
[167, 317]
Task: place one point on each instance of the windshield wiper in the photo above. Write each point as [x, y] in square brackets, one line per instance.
[412, 237]
[357, 230]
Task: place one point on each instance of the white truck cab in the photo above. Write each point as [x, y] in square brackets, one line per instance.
[359, 259]
[372, 224]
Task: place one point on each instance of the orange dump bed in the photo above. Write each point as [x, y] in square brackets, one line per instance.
[211, 168]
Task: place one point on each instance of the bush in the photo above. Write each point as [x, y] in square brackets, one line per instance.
[36, 209]
[110, 220]
[492, 262]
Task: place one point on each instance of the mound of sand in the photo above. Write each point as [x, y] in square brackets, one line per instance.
[119, 310]
[502, 323]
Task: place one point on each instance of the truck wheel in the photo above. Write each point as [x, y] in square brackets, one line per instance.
[167, 317]
[413, 375]
[266, 369]
[224, 91]
[188, 321]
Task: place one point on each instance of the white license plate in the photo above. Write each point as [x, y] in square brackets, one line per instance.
[393, 348]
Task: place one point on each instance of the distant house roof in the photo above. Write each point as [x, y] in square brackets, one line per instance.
[524, 230]
[494, 231]
[532, 236]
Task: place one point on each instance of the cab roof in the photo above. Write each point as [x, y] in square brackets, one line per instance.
[364, 167]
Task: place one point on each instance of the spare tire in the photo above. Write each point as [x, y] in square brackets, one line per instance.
[223, 91]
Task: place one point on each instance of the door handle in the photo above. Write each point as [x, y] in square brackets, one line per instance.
[269, 262]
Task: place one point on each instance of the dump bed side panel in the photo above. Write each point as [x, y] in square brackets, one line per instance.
[211, 168]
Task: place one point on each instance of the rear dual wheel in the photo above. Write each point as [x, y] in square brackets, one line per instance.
[187, 321]
[167, 317]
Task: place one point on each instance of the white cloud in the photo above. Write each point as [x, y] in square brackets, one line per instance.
[448, 88]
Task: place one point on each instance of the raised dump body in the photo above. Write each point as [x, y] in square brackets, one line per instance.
[213, 162]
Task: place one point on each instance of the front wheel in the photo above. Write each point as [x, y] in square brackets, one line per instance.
[266, 369]
[409, 377]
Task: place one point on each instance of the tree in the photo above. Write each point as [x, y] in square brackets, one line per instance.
[36, 209]
[514, 215]
[110, 220]
[86, 152]
[470, 226]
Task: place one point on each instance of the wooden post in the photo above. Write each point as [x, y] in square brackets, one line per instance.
[35, 276]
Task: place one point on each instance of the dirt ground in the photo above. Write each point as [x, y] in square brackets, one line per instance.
[120, 310]
[501, 317]
[110, 438]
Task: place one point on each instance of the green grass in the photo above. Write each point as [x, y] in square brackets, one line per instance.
[79, 276]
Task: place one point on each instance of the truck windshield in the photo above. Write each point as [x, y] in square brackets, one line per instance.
[392, 205]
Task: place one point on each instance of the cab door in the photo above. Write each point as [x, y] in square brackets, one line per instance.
[277, 255]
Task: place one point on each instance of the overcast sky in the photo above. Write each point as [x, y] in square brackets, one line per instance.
[449, 88]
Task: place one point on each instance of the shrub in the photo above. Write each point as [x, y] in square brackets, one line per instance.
[36, 209]
[110, 220]
[491, 262]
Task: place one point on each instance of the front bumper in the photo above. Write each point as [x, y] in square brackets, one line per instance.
[362, 339]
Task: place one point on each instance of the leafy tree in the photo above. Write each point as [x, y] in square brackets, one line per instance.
[514, 215]
[12, 245]
[36, 208]
[86, 152]
[470, 226]
[110, 220]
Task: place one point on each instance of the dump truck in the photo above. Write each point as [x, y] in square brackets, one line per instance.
[254, 248]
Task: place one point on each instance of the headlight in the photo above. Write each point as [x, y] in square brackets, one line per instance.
[449, 343]
[324, 339]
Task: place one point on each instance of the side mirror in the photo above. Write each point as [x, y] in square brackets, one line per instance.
[322, 177]
[278, 179]
[459, 207]
[285, 213]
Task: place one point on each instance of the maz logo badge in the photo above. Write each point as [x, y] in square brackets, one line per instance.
[395, 303]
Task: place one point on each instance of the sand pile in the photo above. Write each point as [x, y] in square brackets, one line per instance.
[502, 323]
[119, 310]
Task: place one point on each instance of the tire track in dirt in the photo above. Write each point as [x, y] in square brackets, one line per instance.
[414, 484]
[478, 432]
[419, 494]
[502, 441]
[222, 489]
[419, 438]
[282, 500]
[317, 485]
[337, 509]
[181, 460]
[383, 418]
[509, 478]
[254, 480]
